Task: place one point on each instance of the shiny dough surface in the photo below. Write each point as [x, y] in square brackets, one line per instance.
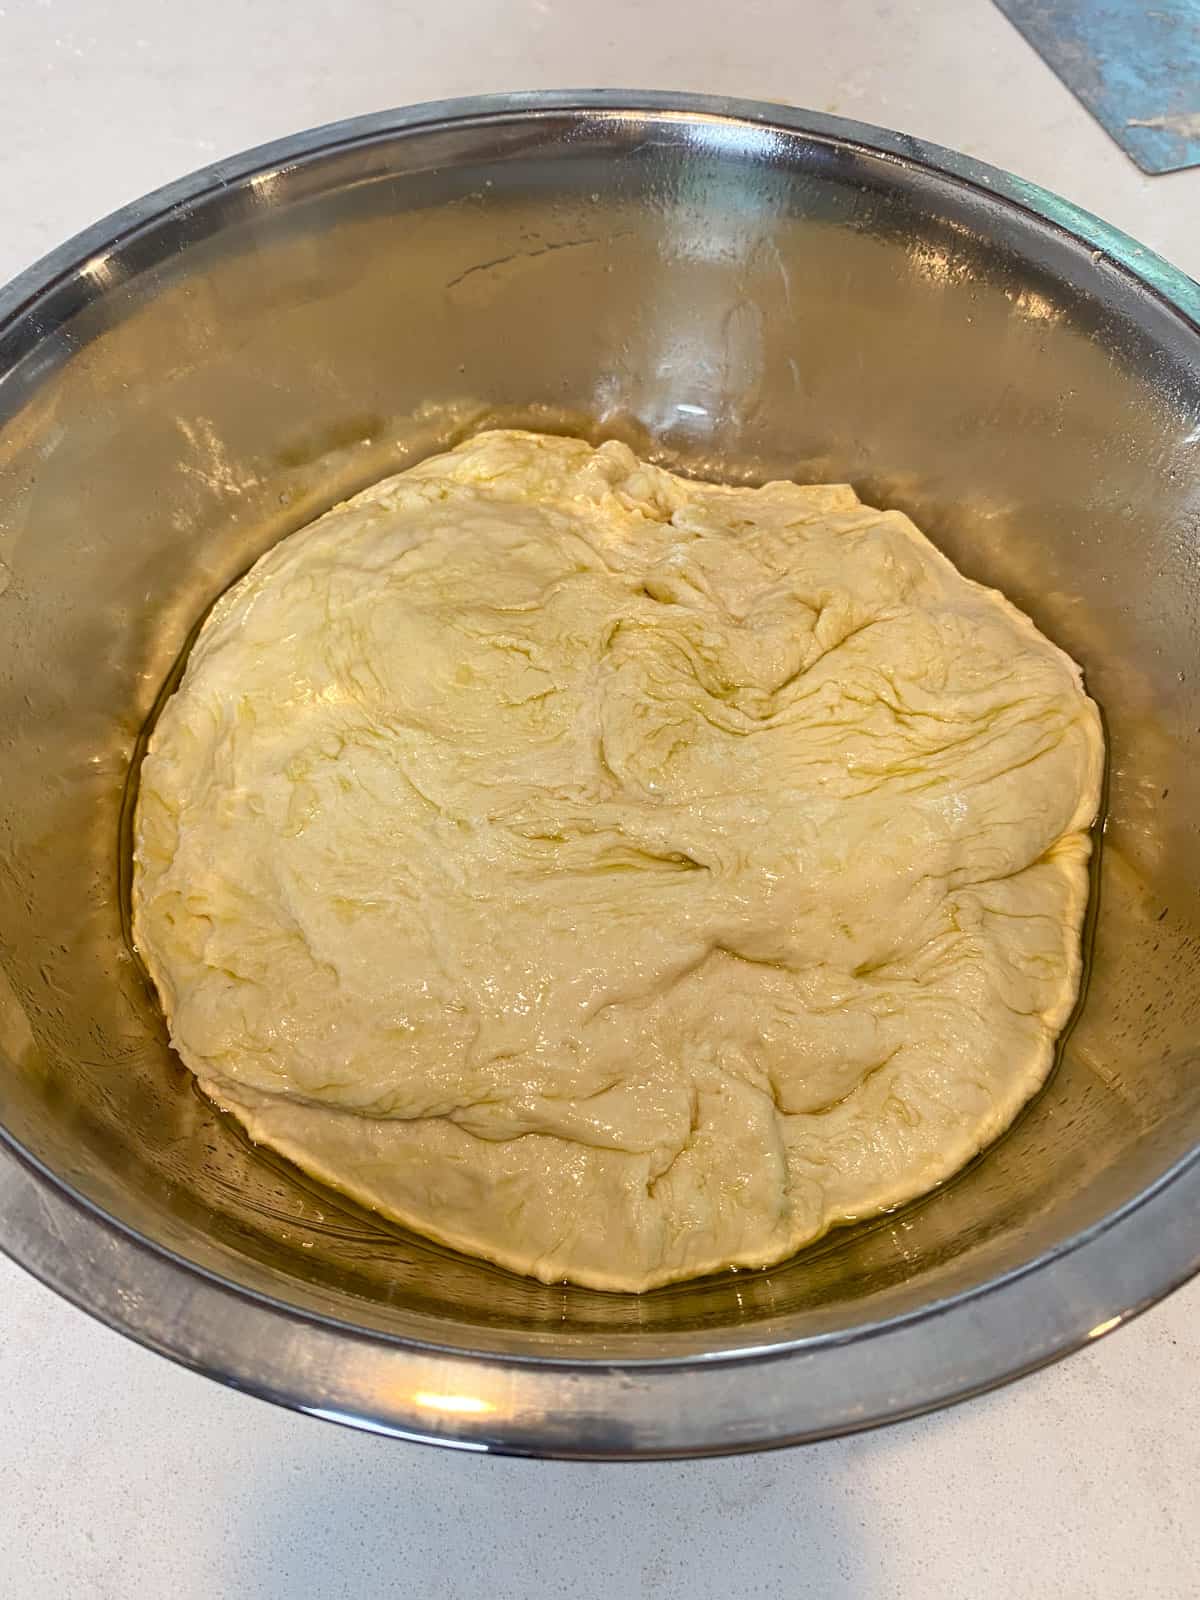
[617, 876]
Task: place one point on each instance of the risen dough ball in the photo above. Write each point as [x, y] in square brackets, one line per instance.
[616, 876]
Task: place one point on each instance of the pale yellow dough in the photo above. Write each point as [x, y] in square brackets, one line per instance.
[617, 876]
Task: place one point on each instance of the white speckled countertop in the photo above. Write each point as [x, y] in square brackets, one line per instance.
[122, 1477]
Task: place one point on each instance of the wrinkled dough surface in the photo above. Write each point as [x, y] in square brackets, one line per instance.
[616, 876]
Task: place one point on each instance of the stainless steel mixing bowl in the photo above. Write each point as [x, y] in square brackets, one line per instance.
[740, 290]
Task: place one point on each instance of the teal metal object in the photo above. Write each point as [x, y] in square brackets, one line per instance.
[1135, 64]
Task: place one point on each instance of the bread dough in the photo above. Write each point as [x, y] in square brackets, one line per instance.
[616, 876]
